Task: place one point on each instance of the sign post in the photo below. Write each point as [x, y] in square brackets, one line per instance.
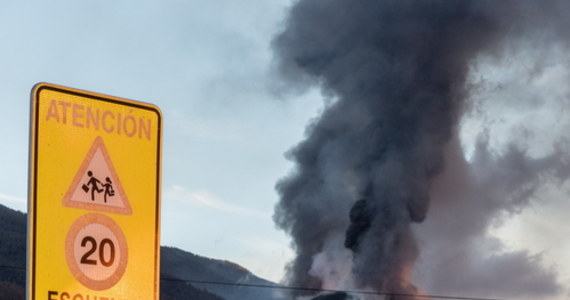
[94, 196]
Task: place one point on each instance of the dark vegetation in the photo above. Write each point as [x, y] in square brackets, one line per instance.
[174, 290]
[12, 252]
[178, 269]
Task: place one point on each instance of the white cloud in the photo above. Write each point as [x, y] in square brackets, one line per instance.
[14, 202]
[12, 199]
[207, 200]
[266, 256]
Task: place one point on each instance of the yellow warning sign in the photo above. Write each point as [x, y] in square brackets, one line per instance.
[94, 200]
[96, 185]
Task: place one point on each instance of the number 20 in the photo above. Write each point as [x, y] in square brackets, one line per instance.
[85, 259]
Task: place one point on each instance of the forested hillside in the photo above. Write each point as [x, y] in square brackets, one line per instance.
[178, 269]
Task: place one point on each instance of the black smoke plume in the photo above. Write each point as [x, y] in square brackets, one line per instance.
[360, 220]
[396, 74]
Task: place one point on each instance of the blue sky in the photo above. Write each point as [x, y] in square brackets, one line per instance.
[207, 65]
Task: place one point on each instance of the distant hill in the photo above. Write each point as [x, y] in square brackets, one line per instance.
[177, 269]
[172, 290]
[12, 249]
[176, 263]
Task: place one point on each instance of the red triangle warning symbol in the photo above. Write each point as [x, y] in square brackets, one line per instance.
[96, 185]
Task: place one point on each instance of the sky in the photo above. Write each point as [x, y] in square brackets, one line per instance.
[228, 124]
[206, 65]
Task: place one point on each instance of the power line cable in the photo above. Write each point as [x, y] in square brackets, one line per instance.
[13, 268]
[282, 287]
[291, 288]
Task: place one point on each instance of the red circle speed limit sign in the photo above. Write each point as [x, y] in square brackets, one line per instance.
[96, 251]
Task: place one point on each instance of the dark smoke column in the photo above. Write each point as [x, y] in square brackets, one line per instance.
[396, 71]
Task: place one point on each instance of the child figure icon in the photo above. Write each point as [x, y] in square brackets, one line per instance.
[108, 186]
[96, 187]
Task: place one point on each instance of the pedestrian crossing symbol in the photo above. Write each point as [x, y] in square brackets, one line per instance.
[96, 185]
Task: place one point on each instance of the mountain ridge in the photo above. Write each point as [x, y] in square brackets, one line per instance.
[183, 274]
